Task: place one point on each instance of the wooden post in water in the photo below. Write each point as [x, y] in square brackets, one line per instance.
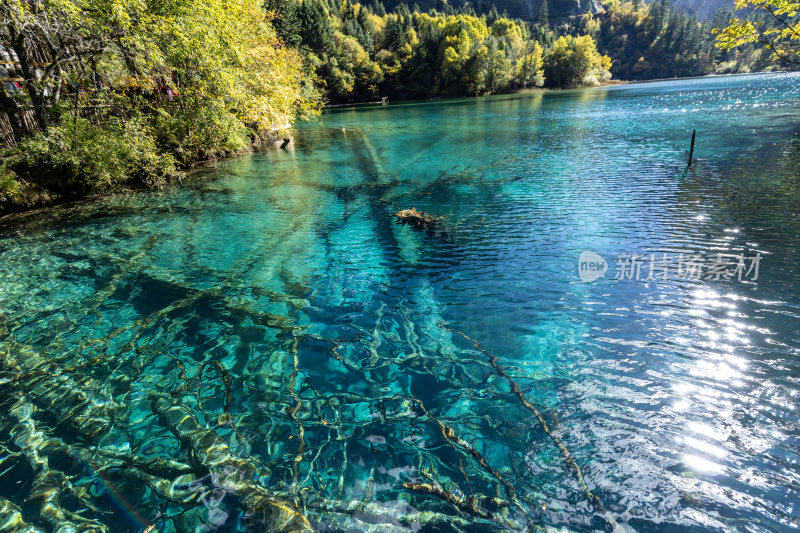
[691, 149]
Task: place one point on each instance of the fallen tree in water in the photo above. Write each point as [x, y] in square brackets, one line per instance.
[228, 473]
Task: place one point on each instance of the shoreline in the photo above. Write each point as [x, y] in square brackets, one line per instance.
[707, 76]
[66, 204]
[533, 90]
[388, 102]
[271, 141]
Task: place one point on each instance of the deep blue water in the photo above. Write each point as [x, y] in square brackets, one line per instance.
[275, 300]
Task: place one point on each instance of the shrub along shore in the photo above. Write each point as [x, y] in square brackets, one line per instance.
[135, 92]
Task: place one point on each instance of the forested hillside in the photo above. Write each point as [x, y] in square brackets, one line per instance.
[558, 9]
[357, 52]
[661, 41]
[524, 9]
[704, 9]
[363, 52]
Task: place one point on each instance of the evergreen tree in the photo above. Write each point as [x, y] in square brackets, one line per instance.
[365, 31]
[403, 10]
[393, 34]
[286, 20]
[492, 16]
[544, 15]
[317, 31]
[655, 20]
[347, 11]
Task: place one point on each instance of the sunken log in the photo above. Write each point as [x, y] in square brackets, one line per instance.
[209, 452]
[419, 219]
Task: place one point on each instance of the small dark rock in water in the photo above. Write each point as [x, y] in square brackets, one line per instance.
[419, 219]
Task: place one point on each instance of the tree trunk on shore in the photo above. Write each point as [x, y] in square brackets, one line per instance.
[9, 106]
[34, 86]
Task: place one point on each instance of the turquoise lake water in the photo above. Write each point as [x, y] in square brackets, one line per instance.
[270, 315]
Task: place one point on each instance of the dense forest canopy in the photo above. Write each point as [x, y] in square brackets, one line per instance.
[363, 52]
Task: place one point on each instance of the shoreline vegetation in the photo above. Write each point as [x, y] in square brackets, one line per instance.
[137, 94]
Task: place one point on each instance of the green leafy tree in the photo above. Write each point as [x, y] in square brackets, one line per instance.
[530, 67]
[177, 80]
[575, 61]
[498, 66]
[778, 29]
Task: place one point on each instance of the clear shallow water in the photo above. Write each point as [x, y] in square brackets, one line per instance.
[274, 300]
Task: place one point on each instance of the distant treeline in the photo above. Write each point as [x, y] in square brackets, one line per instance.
[363, 52]
[360, 52]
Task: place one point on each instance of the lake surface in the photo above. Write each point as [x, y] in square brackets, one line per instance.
[330, 367]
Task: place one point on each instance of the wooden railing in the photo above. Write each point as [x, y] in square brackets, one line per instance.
[28, 122]
[94, 113]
